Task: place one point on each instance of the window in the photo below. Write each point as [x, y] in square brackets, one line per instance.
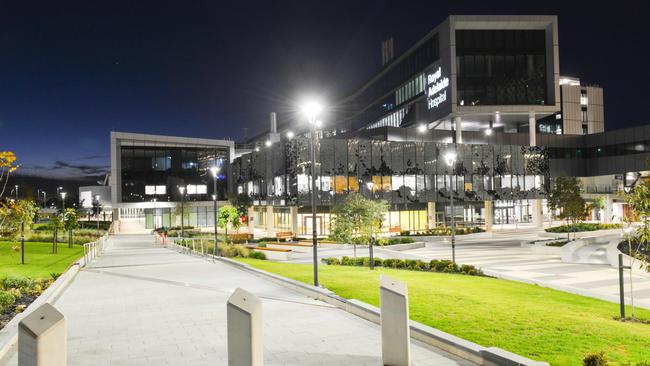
[583, 115]
[583, 98]
[151, 190]
[197, 189]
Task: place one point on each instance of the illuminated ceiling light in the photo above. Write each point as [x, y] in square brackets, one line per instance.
[214, 170]
[450, 158]
[488, 132]
[268, 143]
[311, 109]
[422, 128]
[257, 148]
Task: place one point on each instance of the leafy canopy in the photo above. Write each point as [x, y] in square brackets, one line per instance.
[565, 196]
[357, 216]
[229, 217]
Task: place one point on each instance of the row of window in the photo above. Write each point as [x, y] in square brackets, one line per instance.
[410, 89]
[631, 148]
[393, 120]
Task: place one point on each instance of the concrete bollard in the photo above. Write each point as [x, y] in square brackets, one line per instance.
[244, 312]
[42, 338]
[395, 331]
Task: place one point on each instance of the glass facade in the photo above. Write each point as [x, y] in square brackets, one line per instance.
[501, 67]
[406, 174]
[150, 172]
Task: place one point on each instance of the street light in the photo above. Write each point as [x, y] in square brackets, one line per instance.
[97, 213]
[450, 159]
[290, 135]
[311, 110]
[268, 143]
[215, 175]
[155, 224]
[63, 201]
[422, 128]
[182, 190]
[44, 198]
[16, 192]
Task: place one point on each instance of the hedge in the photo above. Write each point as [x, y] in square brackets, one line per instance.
[436, 265]
[582, 226]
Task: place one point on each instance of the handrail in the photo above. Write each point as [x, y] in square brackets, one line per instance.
[94, 249]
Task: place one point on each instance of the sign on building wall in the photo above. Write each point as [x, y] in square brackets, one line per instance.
[437, 87]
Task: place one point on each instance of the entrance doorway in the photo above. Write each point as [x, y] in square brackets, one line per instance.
[306, 224]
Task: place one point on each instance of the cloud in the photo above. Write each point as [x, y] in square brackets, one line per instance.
[65, 169]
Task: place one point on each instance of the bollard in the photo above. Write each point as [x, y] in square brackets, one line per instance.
[244, 313]
[42, 338]
[395, 331]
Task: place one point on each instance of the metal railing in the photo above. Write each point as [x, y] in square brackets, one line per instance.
[94, 249]
[191, 246]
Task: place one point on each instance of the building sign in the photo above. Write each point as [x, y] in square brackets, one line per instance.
[436, 90]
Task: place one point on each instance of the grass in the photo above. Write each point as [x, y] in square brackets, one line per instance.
[39, 260]
[536, 322]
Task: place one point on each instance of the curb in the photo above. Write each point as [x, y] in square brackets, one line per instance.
[488, 356]
[9, 334]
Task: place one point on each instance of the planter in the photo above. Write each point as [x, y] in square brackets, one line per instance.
[276, 254]
[402, 247]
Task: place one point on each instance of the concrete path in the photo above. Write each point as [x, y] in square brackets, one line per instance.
[140, 305]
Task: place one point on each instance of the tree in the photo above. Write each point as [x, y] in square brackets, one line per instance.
[14, 215]
[241, 201]
[358, 216]
[70, 222]
[229, 216]
[638, 200]
[565, 196]
[7, 166]
[57, 224]
[598, 205]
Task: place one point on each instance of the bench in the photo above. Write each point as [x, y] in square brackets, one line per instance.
[284, 235]
[240, 238]
[395, 229]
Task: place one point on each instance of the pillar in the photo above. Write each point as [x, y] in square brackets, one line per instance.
[293, 210]
[532, 128]
[458, 125]
[538, 215]
[431, 215]
[244, 323]
[395, 329]
[42, 338]
[269, 220]
[609, 208]
[489, 215]
[251, 217]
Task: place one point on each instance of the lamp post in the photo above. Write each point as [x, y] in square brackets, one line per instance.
[182, 190]
[63, 202]
[450, 158]
[215, 198]
[311, 110]
[44, 198]
[16, 186]
[97, 213]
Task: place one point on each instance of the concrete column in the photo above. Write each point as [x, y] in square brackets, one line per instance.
[489, 215]
[458, 125]
[244, 322]
[251, 224]
[431, 215]
[532, 128]
[294, 219]
[395, 330]
[538, 215]
[608, 212]
[42, 338]
[269, 220]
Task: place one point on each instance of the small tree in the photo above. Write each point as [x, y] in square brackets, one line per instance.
[241, 201]
[598, 205]
[638, 199]
[229, 217]
[57, 224]
[565, 196]
[14, 215]
[70, 222]
[358, 216]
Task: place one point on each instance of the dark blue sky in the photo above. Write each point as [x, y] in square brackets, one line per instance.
[71, 71]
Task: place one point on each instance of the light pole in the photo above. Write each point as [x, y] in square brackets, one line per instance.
[182, 190]
[63, 202]
[97, 213]
[215, 199]
[16, 186]
[450, 158]
[311, 110]
[44, 198]
[154, 213]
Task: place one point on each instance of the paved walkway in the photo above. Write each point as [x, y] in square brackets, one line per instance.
[503, 256]
[140, 305]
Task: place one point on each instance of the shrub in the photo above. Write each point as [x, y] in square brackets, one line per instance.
[345, 260]
[595, 359]
[6, 299]
[16, 282]
[233, 250]
[261, 245]
[359, 261]
[378, 262]
[582, 226]
[55, 275]
[406, 240]
[405, 233]
[331, 261]
[256, 255]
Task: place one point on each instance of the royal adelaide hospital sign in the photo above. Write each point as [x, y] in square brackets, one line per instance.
[436, 90]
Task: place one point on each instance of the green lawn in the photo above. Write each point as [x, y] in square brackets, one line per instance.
[533, 321]
[39, 260]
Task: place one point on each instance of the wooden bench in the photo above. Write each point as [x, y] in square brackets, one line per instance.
[284, 235]
[395, 229]
[240, 237]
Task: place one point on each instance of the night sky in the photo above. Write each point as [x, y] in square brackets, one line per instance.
[71, 71]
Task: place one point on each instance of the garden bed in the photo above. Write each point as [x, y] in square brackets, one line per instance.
[16, 293]
[581, 227]
[643, 250]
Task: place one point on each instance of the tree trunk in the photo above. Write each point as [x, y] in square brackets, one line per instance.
[371, 254]
[70, 238]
